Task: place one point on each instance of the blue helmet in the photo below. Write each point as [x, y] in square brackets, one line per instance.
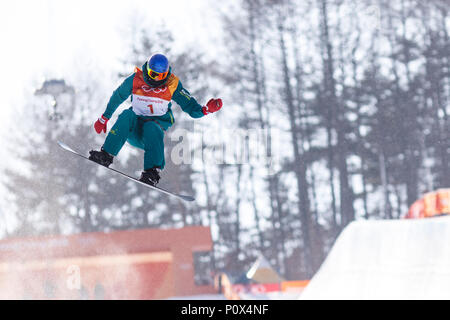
[157, 69]
[158, 63]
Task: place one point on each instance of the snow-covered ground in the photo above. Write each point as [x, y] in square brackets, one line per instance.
[389, 259]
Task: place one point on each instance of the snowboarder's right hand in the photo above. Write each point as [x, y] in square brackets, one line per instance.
[100, 124]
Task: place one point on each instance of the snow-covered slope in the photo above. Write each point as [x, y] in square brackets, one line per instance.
[394, 259]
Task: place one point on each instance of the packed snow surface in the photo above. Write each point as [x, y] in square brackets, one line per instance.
[387, 259]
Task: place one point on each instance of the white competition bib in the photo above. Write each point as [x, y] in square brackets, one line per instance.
[149, 106]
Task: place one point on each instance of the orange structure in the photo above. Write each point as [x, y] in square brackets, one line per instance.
[135, 264]
[430, 205]
[223, 284]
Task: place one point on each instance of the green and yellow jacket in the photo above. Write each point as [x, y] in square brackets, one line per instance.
[153, 103]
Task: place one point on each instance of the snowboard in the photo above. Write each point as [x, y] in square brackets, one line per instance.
[179, 196]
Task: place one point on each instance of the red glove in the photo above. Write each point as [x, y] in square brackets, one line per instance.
[100, 124]
[212, 106]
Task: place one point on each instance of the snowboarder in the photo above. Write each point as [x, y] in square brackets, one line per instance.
[143, 125]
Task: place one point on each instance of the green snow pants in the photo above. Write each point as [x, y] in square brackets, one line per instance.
[140, 133]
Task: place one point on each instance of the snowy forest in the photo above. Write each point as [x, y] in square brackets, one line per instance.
[352, 98]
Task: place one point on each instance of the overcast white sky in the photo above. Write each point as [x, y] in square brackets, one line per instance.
[42, 37]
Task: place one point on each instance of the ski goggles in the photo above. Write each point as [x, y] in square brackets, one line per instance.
[157, 76]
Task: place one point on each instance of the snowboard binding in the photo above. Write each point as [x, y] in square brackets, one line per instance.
[150, 176]
[101, 157]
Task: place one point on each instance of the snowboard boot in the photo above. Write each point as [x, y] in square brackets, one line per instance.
[150, 176]
[101, 157]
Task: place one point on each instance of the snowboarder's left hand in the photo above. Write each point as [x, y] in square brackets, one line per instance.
[212, 106]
